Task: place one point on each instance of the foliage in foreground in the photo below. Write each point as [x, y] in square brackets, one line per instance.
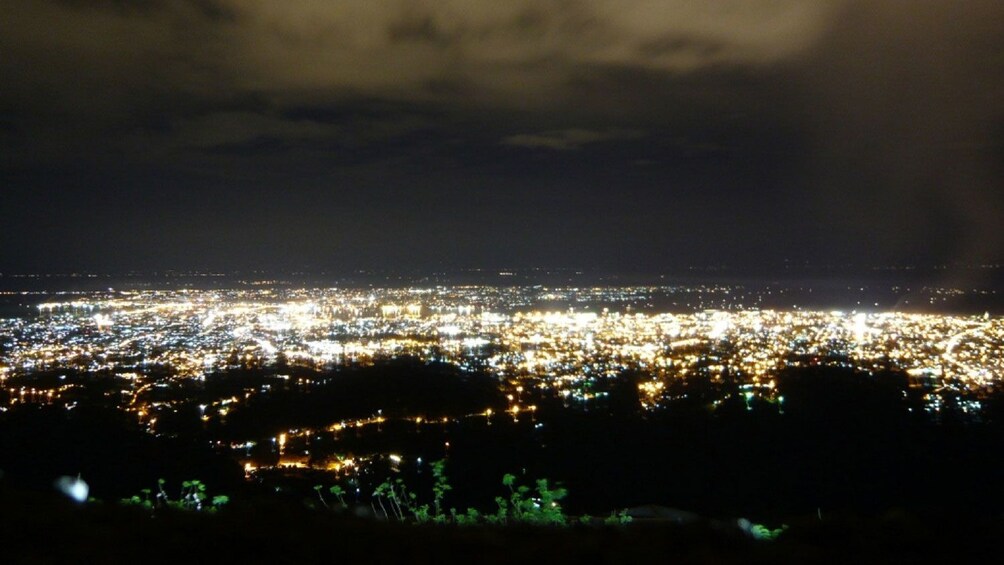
[192, 497]
[392, 500]
[759, 531]
[522, 504]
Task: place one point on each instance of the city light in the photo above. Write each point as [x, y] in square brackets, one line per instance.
[570, 353]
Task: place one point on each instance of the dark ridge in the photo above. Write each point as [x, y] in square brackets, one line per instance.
[397, 388]
[39, 444]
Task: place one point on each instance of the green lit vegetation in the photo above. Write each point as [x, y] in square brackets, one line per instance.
[393, 500]
[616, 518]
[522, 506]
[761, 532]
[539, 505]
[192, 497]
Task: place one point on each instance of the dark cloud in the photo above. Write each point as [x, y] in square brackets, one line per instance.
[904, 150]
[214, 10]
[568, 138]
[420, 28]
[641, 131]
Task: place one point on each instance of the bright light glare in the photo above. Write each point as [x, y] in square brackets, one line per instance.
[73, 487]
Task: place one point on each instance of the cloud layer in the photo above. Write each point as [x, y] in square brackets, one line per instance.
[830, 128]
[568, 138]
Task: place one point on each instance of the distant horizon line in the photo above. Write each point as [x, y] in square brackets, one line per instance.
[498, 270]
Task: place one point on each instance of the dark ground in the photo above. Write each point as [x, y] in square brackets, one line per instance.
[44, 530]
[850, 466]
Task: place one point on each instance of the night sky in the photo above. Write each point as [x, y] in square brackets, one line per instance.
[630, 135]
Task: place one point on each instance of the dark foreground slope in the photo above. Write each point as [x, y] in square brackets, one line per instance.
[850, 464]
[35, 530]
[844, 442]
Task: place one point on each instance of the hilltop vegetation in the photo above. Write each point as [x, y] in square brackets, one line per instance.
[841, 441]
